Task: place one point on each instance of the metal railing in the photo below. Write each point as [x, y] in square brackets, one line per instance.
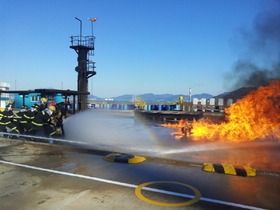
[87, 41]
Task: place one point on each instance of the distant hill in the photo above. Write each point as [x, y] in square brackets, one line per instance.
[236, 94]
[222, 94]
[150, 97]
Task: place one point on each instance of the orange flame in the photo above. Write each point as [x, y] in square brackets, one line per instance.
[257, 115]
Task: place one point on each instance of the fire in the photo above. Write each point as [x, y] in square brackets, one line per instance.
[256, 116]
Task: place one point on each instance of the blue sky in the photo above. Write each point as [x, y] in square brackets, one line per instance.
[147, 46]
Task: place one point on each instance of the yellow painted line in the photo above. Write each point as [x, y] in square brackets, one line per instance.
[138, 192]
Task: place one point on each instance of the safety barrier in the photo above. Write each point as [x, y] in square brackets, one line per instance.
[229, 169]
[124, 158]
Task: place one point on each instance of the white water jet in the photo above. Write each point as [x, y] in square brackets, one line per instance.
[107, 127]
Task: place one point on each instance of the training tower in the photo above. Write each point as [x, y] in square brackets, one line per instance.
[84, 47]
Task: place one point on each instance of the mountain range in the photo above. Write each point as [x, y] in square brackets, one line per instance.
[150, 97]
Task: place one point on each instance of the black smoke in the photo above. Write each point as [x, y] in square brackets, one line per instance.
[259, 52]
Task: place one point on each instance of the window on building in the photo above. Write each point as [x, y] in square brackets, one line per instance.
[34, 98]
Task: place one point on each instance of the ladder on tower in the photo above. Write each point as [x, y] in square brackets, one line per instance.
[139, 103]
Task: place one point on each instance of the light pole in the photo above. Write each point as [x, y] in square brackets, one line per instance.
[80, 29]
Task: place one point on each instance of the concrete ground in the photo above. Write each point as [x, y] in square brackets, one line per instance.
[50, 176]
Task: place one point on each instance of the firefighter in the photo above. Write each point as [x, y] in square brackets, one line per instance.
[6, 120]
[58, 118]
[23, 110]
[43, 104]
[41, 123]
[18, 116]
[187, 130]
[57, 121]
[26, 119]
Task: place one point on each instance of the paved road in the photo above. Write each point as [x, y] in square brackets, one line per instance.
[50, 176]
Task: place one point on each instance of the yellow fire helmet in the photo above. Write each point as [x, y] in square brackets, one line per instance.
[52, 108]
[44, 100]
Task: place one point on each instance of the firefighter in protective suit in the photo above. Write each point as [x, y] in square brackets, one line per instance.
[43, 104]
[57, 121]
[186, 130]
[6, 120]
[27, 118]
[41, 124]
[18, 116]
